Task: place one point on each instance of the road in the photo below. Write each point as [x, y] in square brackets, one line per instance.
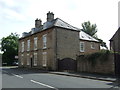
[24, 78]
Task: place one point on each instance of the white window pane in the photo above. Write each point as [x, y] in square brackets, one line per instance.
[82, 47]
[35, 59]
[92, 45]
[45, 41]
[22, 47]
[44, 63]
[28, 59]
[22, 60]
[35, 43]
[28, 45]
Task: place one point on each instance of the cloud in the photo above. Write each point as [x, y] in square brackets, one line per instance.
[12, 10]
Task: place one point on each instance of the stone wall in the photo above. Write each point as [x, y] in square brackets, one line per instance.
[102, 67]
[88, 48]
[67, 43]
[50, 49]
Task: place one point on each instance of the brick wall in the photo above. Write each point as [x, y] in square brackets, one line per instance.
[88, 48]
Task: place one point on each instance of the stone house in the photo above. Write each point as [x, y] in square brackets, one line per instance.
[115, 41]
[115, 47]
[45, 45]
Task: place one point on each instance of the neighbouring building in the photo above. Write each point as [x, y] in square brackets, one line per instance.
[115, 47]
[45, 46]
[115, 41]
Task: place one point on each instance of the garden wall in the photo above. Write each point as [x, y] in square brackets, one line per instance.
[99, 65]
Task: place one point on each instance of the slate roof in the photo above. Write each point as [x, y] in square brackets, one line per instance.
[118, 31]
[60, 23]
[85, 36]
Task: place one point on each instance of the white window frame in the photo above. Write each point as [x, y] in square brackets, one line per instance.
[44, 62]
[28, 59]
[35, 59]
[92, 45]
[22, 46]
[22, 60]
[82, 46]
[28, 45]
[35, 43]
[44, 37]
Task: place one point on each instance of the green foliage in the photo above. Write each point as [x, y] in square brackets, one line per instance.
[91, 29]
[102, 56]
[102, 43]
[9, 45]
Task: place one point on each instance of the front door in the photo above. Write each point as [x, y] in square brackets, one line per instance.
[31, 62]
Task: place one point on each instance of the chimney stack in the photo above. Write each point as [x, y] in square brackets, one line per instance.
[38, 23]
[50, 16]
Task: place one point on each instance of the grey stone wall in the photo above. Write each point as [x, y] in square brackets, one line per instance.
[103, 67]
[67, 43]
[50, 49]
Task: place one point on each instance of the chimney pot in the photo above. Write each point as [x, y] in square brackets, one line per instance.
[50, 16]
[38, 23]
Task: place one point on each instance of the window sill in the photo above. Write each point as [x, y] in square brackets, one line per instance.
[44, 48]
[92, 48]
[82, 51]
[35, 49]
[35, 65]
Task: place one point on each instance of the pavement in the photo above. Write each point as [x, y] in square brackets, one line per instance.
[36, 78]
[109, 78]
[102, 77]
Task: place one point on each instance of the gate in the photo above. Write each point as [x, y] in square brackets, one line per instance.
[67, 64]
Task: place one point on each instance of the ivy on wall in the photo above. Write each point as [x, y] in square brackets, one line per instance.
[102, 56]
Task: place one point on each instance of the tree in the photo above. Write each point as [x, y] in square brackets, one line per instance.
[89, 29]
[9, 45]
[92, 30]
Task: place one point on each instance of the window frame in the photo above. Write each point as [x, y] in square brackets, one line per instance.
[44, 61]
[22, 46]
[44, 38]
[28, 59]
[28, 45]
[82, 45]
[35, 59]
[92, 45]
[22, 60]
[35, 43]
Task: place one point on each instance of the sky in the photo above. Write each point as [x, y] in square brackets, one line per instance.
[18, 16]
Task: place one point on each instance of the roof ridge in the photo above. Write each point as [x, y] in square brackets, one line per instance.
[68, 23]
[56, 20]
[89, 36]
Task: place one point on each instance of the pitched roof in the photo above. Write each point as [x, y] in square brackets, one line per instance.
[118, 31]
[85, 36]
[60, 23]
